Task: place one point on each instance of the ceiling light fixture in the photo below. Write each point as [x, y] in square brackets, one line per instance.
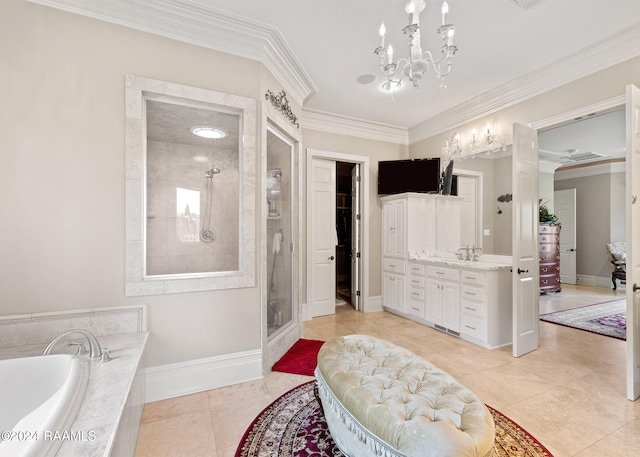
[418, 61]
[206, 131]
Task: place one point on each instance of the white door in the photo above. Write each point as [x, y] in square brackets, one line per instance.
[633, 242]
[355, 236]
[322, 221]
[526, 288]
[564, 203]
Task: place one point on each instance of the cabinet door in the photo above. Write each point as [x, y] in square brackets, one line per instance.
[393, 291]
[433, 312]
[388, 227]
[400, 229]
[399, 292]
[387, 290]
[451, 305]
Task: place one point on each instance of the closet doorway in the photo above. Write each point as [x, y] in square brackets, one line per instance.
[347, 234]
[337, 232]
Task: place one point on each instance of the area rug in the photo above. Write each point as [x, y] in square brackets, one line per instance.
[302, 358]
[609, 319]
[294, 426]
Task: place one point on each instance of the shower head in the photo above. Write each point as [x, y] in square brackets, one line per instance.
[213, 171]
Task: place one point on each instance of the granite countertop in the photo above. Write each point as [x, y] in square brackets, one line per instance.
[106, 395]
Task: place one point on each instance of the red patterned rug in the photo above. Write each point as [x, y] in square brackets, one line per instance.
[294, 426]
[302, 358]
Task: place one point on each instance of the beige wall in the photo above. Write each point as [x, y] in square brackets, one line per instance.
[600, 218]
[62, 202]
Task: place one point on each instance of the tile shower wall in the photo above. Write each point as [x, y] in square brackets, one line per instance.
[173, 244]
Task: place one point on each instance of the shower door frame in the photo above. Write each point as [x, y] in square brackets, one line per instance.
[277, 344]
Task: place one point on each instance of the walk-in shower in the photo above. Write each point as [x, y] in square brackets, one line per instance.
[207, 234]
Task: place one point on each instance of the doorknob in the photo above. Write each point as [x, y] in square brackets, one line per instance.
[635, 287]
[522, 271]
[331, 258]
[571, 250]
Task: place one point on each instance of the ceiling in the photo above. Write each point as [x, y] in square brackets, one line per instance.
[321, 50]
[497, 41]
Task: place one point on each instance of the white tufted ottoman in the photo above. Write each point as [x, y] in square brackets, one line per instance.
[382, 400]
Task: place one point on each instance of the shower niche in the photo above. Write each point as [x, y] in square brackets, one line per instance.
[190, 189]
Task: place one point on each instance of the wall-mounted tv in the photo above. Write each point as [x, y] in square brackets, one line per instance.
[417, 175]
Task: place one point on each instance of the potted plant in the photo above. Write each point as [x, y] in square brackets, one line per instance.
[546, 216]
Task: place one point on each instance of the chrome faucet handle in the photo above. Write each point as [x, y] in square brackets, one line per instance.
[105, 356]
[477, 252]
[82, 350]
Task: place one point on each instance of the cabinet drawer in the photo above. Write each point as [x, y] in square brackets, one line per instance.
[472, 277]
[415, 281]
[416, 294]
[416, 269]
[473, 308]
[443, 273]
[473, 326]
[473, 293]
[416, 308]
[394, 265]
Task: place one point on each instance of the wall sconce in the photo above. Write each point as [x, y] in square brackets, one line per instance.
[452, 148]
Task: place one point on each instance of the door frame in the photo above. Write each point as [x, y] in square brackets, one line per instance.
[364, 226]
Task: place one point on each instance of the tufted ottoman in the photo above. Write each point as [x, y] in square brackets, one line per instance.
[382, 400]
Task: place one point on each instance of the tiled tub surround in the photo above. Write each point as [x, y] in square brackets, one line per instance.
[108, 419]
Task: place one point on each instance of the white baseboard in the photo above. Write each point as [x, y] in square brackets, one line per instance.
[173, 380]
[596, 281]
[374, 304]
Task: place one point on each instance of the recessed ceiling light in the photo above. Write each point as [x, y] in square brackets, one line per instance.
[206, 131]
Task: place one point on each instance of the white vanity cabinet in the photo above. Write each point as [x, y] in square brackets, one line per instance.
[394, 236]
[443, 297]
[485, 307]
[467, 299]
[414, 223]
[416, 297]
[393, 284]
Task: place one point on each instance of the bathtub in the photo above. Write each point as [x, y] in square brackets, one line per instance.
[39, 396]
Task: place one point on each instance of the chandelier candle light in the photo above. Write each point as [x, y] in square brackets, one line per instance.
[418, 61]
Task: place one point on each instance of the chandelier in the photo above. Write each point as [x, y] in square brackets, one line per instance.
[418, 62]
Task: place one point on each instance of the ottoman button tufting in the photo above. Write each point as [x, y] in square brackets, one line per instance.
[404, 407]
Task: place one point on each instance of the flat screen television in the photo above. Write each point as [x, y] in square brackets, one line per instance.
[417, 175]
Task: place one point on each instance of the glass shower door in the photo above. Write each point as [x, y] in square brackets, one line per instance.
[279, 233]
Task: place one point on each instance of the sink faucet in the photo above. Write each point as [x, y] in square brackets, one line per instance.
[94, 347]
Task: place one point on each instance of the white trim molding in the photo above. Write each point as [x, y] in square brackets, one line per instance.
[175, 379]
[334, 123]
[203, 26]
[609, 51]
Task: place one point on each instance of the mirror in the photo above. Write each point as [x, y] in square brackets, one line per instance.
[485, 181]
[190, 189]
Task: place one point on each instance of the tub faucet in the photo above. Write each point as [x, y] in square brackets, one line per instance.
[94, 347]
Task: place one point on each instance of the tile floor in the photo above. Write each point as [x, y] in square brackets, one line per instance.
[570, 393]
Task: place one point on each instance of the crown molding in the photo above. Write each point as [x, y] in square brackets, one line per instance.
[344, 125]
[591, 169]
[610, 51]
[186, 21]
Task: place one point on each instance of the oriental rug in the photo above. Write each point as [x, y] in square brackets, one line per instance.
[609, 318]
[294, 426]
[302, 358]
